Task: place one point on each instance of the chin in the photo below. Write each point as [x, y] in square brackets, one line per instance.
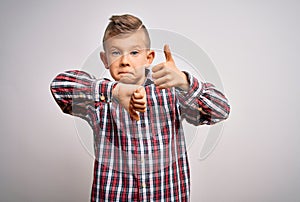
[126, 81]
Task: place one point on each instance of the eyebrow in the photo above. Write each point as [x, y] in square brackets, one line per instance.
[133, 47]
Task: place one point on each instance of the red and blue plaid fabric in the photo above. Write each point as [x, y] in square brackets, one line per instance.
[143, 160]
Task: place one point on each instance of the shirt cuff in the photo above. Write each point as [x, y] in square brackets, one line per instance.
[102, 90]
[194, 90]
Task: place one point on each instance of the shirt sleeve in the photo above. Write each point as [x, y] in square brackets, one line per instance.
[203, 103]
[77, 92]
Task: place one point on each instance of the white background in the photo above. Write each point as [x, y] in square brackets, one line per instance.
[254, 44]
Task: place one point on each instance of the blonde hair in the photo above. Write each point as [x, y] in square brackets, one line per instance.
[124, 24]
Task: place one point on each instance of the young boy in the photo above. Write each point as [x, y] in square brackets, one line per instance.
[139, 145]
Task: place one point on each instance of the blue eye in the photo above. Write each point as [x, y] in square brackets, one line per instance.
[115, 53]
[134, 53]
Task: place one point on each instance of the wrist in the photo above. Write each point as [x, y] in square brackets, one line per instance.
[185, 82]
[115, 91]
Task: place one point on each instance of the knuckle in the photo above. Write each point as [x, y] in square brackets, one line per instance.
[168, 78]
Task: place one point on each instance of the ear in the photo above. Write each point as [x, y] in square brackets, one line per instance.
[150, 57]
[104, 59]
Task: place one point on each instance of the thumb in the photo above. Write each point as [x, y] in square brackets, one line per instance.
[139, 89]
[139, 92]
[167, 52]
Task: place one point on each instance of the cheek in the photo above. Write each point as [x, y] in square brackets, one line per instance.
[113, 69]
[142, 61]
[113, 73]
[113, 61]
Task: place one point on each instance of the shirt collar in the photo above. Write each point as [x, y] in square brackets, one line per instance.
[148, 80]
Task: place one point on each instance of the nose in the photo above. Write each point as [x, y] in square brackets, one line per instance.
[124, 60]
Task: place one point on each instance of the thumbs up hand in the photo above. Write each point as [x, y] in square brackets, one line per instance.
[167, 75]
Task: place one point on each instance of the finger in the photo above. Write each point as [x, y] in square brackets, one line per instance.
[158, 67]
[138, 101]
[133, 114]
[139, 108]
[162, 80]
[137, 95]
[165, 84]
[167, 52]
[159, 74]
[159, 81]
[140, 90]
[138, 104]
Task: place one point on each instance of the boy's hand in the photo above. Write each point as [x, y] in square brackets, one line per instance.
[132, 98]
[167, 75]
[137, 103]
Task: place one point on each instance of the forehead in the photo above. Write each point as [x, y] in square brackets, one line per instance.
[125, 41]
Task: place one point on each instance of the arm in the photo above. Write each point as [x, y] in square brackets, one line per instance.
[76, 92]
[202, 103]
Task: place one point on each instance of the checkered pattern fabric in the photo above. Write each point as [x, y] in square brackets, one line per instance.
[143, 160]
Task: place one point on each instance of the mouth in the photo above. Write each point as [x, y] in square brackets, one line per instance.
[123, 73]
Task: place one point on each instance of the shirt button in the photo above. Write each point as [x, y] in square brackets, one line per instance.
[102, 98]
[142, 160]
[81, 95]
[144, 185]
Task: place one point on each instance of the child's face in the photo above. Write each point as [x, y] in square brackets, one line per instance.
[126, 57]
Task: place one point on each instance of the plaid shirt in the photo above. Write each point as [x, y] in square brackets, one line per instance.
[143, 160]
